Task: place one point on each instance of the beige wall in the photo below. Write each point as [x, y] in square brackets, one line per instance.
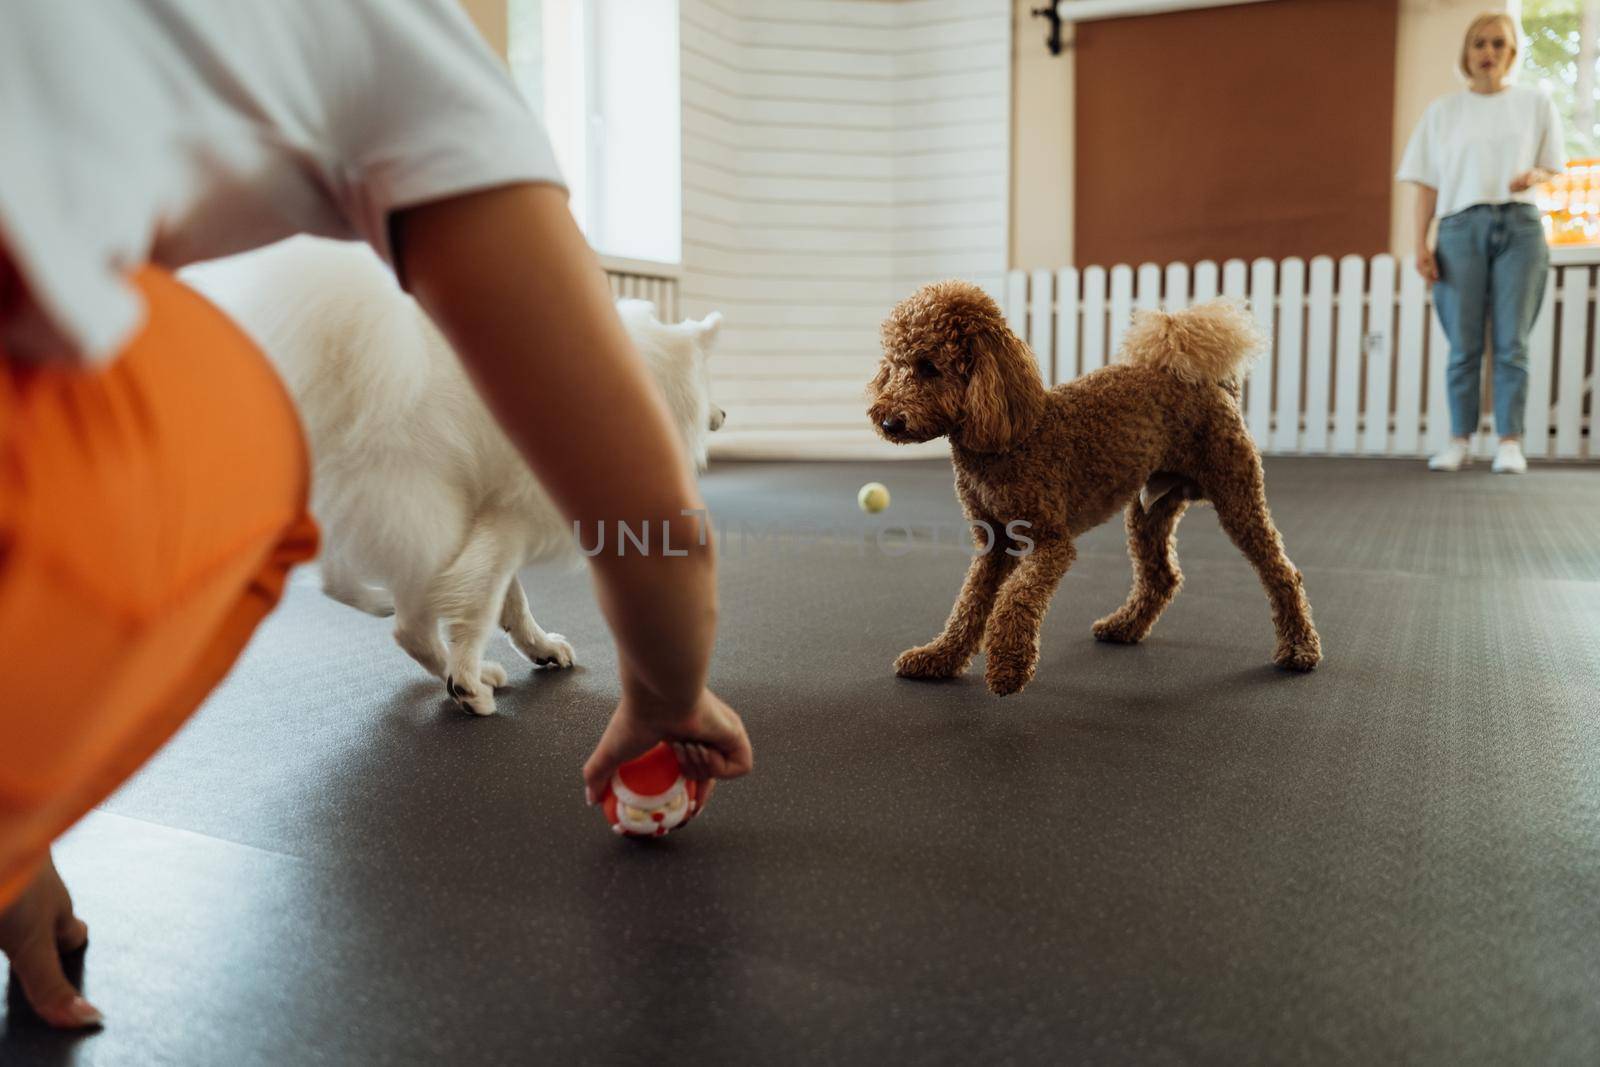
[1041, 155]
[490, 17]
[1041, 144]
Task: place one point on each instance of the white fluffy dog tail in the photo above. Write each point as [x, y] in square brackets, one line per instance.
[1211, 343]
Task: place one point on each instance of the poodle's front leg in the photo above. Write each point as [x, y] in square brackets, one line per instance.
[1012, 638]
[948, 654]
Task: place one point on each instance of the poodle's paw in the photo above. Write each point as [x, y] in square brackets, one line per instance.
[929, 661]
[478, 697]
[1120, 628]
[553, 651]
[1302, 654]
[1008, 672]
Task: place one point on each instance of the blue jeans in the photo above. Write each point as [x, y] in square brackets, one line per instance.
[1492, 260]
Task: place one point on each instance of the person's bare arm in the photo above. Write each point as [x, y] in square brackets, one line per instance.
[1427, 201]
[508, 277]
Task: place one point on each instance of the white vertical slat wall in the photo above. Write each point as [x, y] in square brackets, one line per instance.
[952, 141]
[837, 154]
[1356, 361]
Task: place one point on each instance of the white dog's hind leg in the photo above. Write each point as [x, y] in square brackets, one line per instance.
[416, 629]
[340, 585]
[469, 596]
[545, 649]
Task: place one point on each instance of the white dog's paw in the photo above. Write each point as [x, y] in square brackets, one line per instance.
[477, 698]
[553, 651]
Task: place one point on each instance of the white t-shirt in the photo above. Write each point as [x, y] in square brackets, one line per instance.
[170, 131]
[1470, 145]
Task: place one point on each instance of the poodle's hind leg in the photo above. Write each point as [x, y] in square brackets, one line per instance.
[1237, 489]
[1153, 547]
[544, 649]
[469, 595]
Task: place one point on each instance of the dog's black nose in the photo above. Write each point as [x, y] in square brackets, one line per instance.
[894, 424]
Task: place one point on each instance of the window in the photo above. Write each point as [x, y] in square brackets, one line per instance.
[603, 75]
[1560, 56]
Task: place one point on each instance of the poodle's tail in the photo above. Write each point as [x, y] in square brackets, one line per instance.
[1212, 342]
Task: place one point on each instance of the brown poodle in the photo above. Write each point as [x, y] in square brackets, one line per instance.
[1152, 432]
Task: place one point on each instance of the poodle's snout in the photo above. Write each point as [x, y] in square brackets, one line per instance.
[718, 417]
[895, 424]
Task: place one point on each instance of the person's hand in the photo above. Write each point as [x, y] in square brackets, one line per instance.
[1527, 180]
[34, 931]
[1427, 266]
[708, 739]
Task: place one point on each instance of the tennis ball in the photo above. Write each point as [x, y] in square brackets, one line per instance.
[873, 498]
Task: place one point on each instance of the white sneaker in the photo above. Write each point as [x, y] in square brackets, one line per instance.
[1508, 459]
[1451, 458]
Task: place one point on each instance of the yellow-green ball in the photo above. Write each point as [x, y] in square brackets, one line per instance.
[873, 498]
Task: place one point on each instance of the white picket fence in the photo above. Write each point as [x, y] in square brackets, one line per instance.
[1356, 365]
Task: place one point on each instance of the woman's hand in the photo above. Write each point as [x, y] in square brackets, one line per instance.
[34, 931]
[1528, 179]
[708, 739]
[1427, 266]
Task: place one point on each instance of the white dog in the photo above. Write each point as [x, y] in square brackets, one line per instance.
[427, 509]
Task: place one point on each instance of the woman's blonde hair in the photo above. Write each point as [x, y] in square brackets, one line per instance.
[1479, 23]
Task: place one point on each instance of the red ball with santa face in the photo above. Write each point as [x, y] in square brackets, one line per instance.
[650, 796]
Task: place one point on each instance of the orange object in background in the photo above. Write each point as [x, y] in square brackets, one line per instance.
[150, 512]
[1570, 203]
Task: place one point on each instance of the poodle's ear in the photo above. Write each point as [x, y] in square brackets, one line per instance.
[1005, 395]
[879, 379]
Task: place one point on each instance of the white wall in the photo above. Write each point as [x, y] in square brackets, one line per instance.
[837, 153]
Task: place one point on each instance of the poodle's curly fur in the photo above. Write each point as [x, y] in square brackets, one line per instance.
[1157, 429]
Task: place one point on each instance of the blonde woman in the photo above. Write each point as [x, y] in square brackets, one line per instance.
[1476, 158]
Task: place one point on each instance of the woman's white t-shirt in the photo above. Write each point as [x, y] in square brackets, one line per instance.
[1470, 145]
[171, 131]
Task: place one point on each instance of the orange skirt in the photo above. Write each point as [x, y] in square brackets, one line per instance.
[149, 515]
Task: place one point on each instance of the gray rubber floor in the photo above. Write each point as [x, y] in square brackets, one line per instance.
[1171, 853]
